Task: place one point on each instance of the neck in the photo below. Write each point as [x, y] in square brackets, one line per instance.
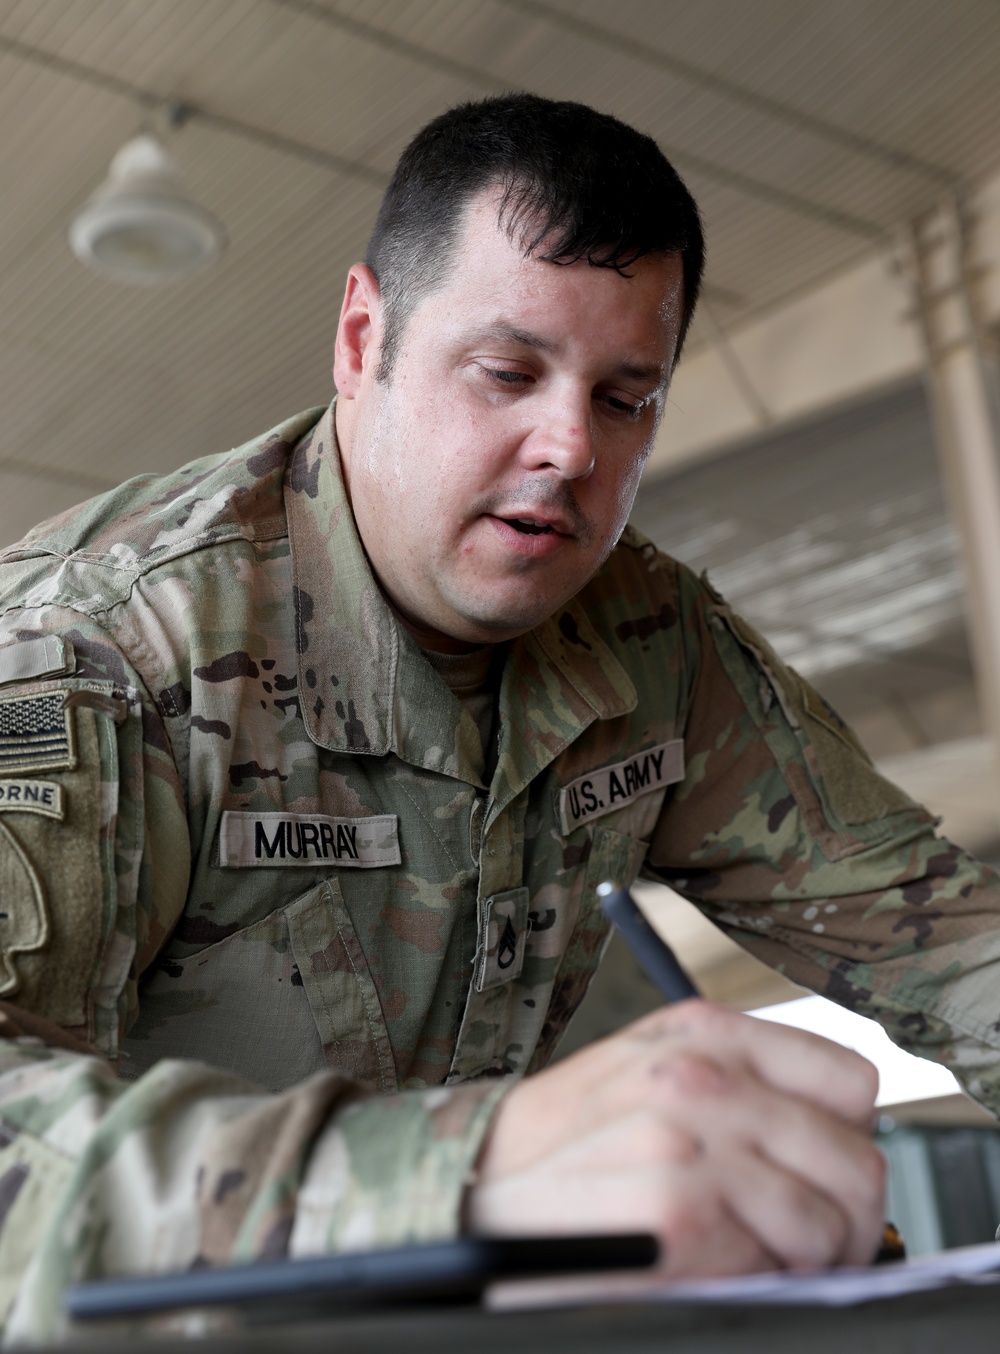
[433, 641]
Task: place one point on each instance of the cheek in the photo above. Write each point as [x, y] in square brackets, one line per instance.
[619, 490]
[471, 461]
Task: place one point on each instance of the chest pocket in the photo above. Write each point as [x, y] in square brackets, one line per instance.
[273, 1002]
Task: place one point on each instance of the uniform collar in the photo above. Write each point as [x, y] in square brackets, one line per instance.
[365, 686]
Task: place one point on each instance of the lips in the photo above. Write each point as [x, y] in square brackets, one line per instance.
[529, 525]
[540, 521]
[529, 537]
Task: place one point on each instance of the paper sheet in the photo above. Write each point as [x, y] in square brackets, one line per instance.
[830, 1288]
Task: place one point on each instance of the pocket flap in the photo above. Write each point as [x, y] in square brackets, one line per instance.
[340, 989]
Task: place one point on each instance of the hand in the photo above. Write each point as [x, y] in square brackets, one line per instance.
[742, 1145]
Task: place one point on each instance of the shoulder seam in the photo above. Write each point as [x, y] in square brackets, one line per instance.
[271, 529]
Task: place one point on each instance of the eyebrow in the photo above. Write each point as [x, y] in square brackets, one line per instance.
[509, 333]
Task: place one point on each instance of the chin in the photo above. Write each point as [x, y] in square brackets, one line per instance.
[492, 626]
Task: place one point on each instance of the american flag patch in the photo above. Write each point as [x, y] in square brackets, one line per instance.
[36, 734]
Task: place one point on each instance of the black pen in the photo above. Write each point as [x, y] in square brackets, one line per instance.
[656, 959]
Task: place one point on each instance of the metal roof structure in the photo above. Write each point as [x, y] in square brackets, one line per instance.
[807, 131]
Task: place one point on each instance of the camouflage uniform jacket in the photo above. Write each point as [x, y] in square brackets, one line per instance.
[225, 770]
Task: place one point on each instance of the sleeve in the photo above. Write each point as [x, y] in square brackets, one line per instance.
[187, 1165]
[784, 834]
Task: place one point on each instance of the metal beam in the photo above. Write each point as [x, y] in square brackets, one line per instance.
[961, 378]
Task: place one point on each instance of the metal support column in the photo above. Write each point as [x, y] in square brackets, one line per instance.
[962, 375]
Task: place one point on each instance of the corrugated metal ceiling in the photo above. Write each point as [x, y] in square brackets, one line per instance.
[806, 130]
[831, 538]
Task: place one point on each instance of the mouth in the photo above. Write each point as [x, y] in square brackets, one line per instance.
[532, 529]
[529, 526]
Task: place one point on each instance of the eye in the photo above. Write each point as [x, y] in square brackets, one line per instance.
[624, 408]
[505, 375]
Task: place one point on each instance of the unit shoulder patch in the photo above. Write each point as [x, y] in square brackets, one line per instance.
[57, 853]
[609, 788]
[282, 839]
[24, 918]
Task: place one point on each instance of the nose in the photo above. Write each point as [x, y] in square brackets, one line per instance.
[561, 439]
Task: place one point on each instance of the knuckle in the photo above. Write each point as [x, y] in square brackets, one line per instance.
[642, 1139]
[687, 1222]
[874, 1169]
[823, 1232]
[689, 1075]
[859, 1082]
[701, 1237]
[866, 1076]
[694, 1016]
[707, 1016]
[679, 1148]
[654, 1023]
[652, 1140]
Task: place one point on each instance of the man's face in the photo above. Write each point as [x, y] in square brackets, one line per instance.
[492, 473]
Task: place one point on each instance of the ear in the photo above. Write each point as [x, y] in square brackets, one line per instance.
[359, 331]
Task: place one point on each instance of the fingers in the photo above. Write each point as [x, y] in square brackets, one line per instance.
[799, 1224]
[832, 1169]
[836, 1161]
[795, 1061]
[714, 1215]
[632, 1176]
[812, 1068]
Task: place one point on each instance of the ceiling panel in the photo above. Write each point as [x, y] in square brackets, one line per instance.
[918, 76]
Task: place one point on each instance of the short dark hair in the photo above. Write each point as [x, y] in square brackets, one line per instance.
[588, 186]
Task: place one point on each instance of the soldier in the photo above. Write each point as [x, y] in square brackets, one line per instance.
[313, 754]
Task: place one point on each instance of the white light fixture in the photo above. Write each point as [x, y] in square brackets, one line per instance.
[139, 226]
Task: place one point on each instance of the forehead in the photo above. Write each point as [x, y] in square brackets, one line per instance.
[491, 279]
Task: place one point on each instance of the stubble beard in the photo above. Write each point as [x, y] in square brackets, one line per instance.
[526, 596]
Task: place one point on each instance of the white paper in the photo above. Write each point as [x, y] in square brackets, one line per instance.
[830, 1288]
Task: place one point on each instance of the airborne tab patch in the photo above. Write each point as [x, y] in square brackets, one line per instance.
[36, 733]
[612, 787]
[280, 839]
[32, 796]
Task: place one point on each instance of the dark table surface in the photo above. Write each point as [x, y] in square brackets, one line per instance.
[959, 1319]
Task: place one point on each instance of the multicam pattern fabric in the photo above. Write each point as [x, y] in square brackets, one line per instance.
[315, 1052]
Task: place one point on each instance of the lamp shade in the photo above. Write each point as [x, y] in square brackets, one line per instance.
[139, 226]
